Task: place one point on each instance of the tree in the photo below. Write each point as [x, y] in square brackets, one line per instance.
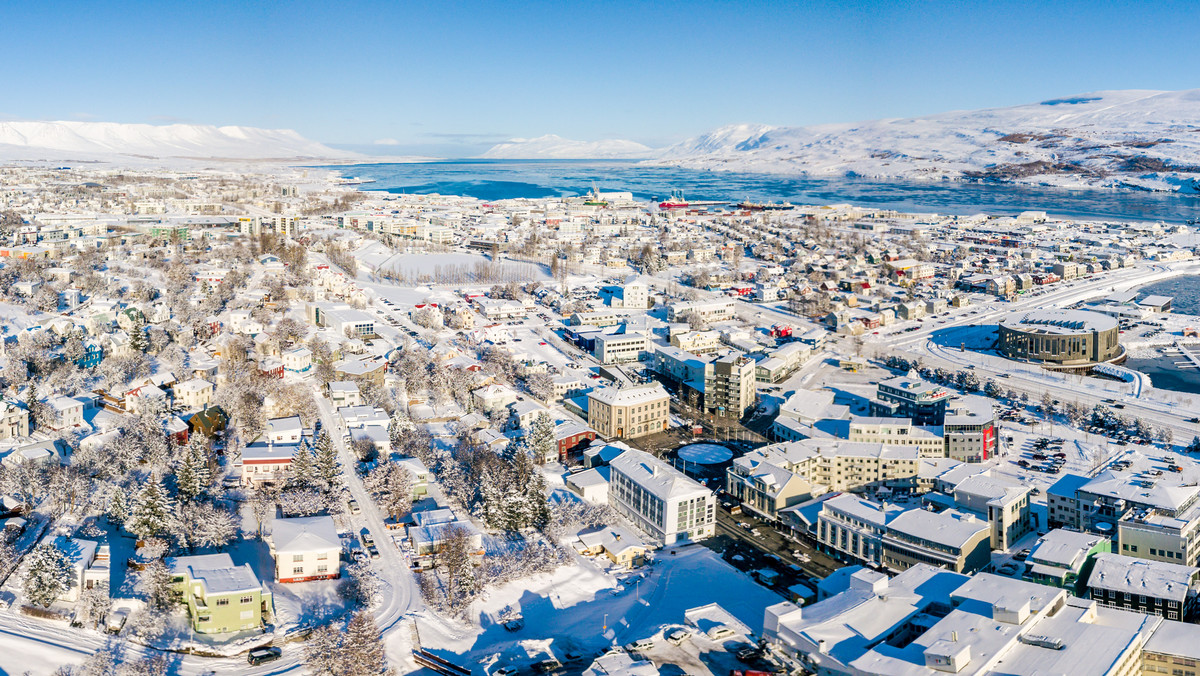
[364, 646]
[159, 584]
[541, 438]
[1194, 447]
[391, 484]
[325, 461]
[48, 575]
[94, 603]
[118, 506]
[541, 385]
[357, 649]
[301, 470]
[201, 524]
[152, 511]
[460, 570]
[138, 340]
[192, 476]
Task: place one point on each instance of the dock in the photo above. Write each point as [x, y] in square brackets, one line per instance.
[1193, 360]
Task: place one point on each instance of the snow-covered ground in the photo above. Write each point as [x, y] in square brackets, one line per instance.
[569, 608]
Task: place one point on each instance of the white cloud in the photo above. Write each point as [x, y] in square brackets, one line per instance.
[387, 142]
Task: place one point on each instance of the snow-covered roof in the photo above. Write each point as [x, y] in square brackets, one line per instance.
[304, 534]
[216, 572]
[656, 476]
[1157, 579]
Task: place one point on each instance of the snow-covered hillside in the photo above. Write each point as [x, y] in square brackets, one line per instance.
[109, 140]
[1133, 138]
[551, 147]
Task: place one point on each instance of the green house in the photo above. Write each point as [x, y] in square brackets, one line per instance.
[1064, 559]
[221, 597]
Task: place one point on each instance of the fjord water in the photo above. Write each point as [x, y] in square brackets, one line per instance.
[500, 179]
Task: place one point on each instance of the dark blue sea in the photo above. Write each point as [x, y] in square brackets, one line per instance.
[499, 179]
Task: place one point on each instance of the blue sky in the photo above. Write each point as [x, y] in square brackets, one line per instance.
[452, 78]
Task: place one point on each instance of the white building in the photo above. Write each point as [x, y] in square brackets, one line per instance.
[305, 548]
[661, 500]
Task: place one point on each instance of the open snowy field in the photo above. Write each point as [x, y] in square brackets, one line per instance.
[569, 608]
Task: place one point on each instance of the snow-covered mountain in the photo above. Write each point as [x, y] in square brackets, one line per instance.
[1132, 139]
[551, 147]
[27, 140]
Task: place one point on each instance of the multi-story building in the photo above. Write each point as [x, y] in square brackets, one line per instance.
[910, 397]
[896, 432]
[765, 488]
[615, 348]
[708, 310]
[953, 540]
[14, 420]
[221, 597]
[849, 526]
[1155, 513]
[1064, 559]
[628, 412]
[969, 429]
[1167, 590]
[305, 548]
[663, 502]
[949, 623]
[730, 386]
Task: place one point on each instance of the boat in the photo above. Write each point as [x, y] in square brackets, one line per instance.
[766, 206]
[354, 181]
[675, 201]
[593, 198]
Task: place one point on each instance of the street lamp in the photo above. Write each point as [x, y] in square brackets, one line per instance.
[605, 627]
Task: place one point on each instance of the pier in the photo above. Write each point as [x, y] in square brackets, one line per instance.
[1193, 360]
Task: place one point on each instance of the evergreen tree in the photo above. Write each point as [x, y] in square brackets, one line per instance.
[48, 575]
[118, 506]
[152, 511]
[192, 476]
[325, 460]
[301, 470]
[138, 340]
[541, 438]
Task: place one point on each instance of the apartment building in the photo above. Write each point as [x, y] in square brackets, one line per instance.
[730, 386]
[616, 348]
[628, 412]
[910, 397]
[709, 310]
[896, 432]
[1167, 590]
[660, 500]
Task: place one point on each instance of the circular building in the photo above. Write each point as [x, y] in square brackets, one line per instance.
[1060, 337]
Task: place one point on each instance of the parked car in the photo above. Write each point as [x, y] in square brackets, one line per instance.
[639, 646]
[264, 655]
[678, 636]
[547, 666]
[353, 505]
[115, 621]
[515, 624]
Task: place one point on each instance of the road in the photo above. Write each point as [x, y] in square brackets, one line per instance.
[1153, 405]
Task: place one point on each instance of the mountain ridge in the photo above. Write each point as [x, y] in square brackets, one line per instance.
[1140, 139]
[50, 140]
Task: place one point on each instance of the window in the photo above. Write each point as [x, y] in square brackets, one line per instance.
[247, 614]
[222, 602]
[298, 570]
[296, 558]
[247, 599]
[322, 568]
[323, 556]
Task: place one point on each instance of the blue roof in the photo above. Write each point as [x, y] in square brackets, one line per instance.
[1067, 486]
